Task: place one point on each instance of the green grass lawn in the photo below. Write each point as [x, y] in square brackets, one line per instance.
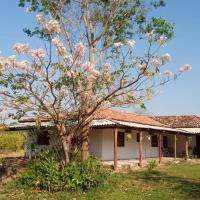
[175, 181]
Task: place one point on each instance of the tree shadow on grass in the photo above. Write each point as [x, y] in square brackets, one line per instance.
[185, 186]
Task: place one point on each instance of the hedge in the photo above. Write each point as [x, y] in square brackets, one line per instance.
[12, 141]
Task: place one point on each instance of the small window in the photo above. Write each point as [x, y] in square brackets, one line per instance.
[120, 139]
[43, 138]
[154, 141]
[138, 137]
[165, 142]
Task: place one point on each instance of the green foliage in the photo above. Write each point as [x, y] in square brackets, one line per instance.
[84, 175]
[176, 181]
[12, 141]
[152, 165]
[160, 27]
[130, 18]
[47, 173]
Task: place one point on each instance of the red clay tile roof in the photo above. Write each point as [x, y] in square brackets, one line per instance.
[185, 121]
[33, 119]
[127, 116]
[110, 114]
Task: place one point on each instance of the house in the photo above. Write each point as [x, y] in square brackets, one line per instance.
[118, 135]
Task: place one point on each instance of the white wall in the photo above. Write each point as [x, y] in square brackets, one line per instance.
[103, 147]
[96, 143]
[32, 141]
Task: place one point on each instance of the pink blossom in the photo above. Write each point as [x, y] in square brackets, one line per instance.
[156, 63]
[68, 73]
[61, 50]
[77, 63]
[80, 49]
[131, 43]
[23, 65]
[28, 9]
[150, 35]
[162, 41]
[168, 73]
[106, 76]
[12, 60]
[64, 90]
[21, 48]
[88, 66]
[95, 73]
[106, 65]
[52, 27]
[38, 54]
[56, 41]
[142, 66]
[68, 59]
[40, 19]
[185, 67]
[166, 58]
[117, 44]
[2, 63]
[91, 78]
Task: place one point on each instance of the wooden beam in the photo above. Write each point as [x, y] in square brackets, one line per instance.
[175, 150]
[140, 149]
[186, 148]
[160, 147]
[115, 148]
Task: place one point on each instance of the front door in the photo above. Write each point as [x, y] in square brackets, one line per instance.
[198, 145]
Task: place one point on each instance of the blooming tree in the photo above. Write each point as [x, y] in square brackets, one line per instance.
[90, 62]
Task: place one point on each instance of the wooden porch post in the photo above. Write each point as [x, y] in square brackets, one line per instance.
[186, 148]
[140, 149]
[160, 147]
[175, 151]
[115, 148]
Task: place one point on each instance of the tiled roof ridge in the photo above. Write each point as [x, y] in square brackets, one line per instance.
[181, 121]
[146, 119]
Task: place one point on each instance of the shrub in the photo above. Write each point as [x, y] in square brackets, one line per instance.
[84, 175]
[46, 173]
[12, 141]
[151, 165]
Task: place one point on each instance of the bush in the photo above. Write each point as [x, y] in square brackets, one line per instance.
[151, 165]
[12, 141]
[46, 173]
[84, 175]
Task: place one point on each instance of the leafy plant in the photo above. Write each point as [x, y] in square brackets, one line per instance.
[47, 173]
[151, 165]
[84, 175]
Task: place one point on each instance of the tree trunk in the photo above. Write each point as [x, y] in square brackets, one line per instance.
[65, 142]
[85, 143]
[65, 145]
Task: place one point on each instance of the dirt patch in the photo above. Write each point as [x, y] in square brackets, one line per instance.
[12, 154]
[10, 167]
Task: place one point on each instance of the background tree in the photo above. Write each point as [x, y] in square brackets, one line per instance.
[90, 63]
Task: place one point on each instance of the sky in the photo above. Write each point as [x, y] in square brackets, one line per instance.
[180, 97]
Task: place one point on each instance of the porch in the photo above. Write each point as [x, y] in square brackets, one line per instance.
[134, 163]
[131, 144]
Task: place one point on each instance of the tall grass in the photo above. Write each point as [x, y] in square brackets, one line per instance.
[11, 141]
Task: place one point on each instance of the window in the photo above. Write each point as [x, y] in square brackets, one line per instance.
[154, 141]
[138, 137]
[165, 142]
[43, 138]
[120, 139]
